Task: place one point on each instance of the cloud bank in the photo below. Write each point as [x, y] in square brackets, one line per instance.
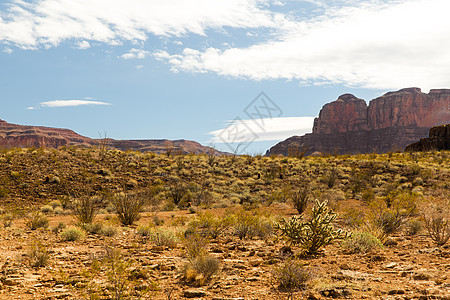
[378, 44]
[275, 129]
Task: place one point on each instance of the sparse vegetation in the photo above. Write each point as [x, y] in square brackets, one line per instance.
[219, 235]
[128, 207]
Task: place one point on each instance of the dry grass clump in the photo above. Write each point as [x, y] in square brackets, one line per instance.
[37, 220]
[291, 276]
[361, 242]
[72, 233]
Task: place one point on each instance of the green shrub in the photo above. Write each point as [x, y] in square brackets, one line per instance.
[72, 233]
[37, 220]
[361, 242]
[314, 233]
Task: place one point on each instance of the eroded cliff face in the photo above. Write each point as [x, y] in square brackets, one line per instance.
[389, 122]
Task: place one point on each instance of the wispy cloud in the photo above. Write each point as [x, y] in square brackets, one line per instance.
[136, 53]
[372, 44]
[38, 23]
[67, 103]
[83, 45]
[275, 129]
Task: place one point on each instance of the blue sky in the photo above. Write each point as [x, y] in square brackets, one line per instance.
[184, 69]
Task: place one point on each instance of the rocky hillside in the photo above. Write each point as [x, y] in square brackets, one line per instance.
[439, 140]
[13, 135]
[389, 122]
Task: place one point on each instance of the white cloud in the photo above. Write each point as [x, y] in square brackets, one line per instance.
[8, 50]
[41, 23]
[69, 103]
[275, 129]
[84, 45]
[378, 44]
[139, 67]
[135, 53]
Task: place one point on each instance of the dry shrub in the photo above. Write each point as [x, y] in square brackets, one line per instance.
[437, 221]
[128, 207]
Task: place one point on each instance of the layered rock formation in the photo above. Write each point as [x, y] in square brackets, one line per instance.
[13, 135]
[389, 122]
[439, 139]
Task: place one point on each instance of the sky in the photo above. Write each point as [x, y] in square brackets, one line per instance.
[240, 75]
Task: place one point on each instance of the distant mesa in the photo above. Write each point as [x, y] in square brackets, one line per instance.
[390, 122]
[439, 139]
[13, 135]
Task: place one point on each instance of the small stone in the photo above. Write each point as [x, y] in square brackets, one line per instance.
[390, 265]
[194, 293]
[396, 292]
[421, 276]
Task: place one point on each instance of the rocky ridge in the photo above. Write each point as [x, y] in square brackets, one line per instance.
[439, 140]
[21, 136]
[390, 122]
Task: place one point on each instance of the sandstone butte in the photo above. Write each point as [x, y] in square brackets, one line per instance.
[21, 136]
[390, 122]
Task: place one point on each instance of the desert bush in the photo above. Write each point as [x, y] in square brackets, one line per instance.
[195, 244]
[200, 266]
[164, 238]
[144, 230]
[128, 207]
[300, 199]
[7, 219]
[85, 209]
[390, 212]
[37, 220]
[91, 228]
[72, 233]
[38, 255]
[291, 276]
[46, 209]
[108, 231]
[331, 177]
[360, 242]
[209, 225]
[437, 223]
[314, 233]
[199, 270]
[58, 228]
[413, 227]
[249, 226]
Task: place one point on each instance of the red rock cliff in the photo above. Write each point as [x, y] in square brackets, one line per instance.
[392, 121]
